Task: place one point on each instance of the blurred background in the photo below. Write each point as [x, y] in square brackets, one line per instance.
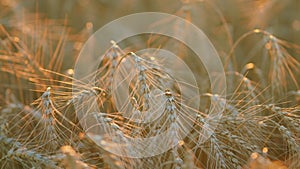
[281, 18]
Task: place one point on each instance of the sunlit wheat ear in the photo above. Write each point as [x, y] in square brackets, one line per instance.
[48, 120]
[43, 128]
[173, 123]
[108, 66]
[57, 126]
[83, 94]
[284, 68]
[224, 149]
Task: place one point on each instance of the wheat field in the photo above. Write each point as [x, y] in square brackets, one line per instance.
[150, 100]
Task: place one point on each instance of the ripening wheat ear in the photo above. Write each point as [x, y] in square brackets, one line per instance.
[100, 89]
[108, 66]
[43, 128]
[283, 68]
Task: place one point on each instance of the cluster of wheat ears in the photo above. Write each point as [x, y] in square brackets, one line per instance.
[40, 126]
